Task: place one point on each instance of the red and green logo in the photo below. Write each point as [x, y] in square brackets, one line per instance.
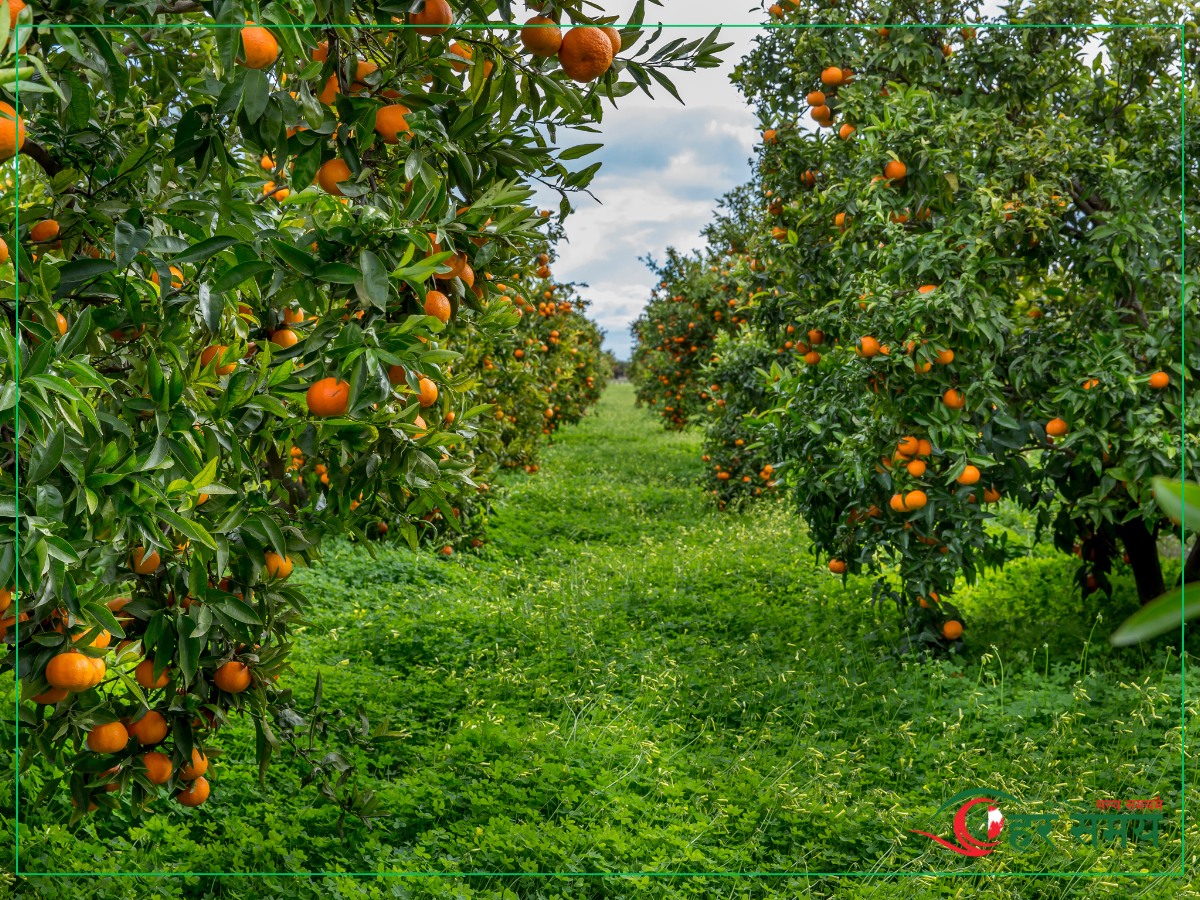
[980, 806]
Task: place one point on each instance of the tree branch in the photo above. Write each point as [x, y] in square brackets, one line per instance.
[42, 157]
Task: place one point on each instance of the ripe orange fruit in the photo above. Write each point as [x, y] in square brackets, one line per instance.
[51, 696]
[12, 131]
[216, 351]
[896, 503]
[831, 76]
[330, 92]
[284, 338]
[259, 47]
[328, 397]
[99, 670]
[586, 53]
[461, 52]
[437, 305]
[945, 357]
[176, 277]
[909, 446]
[390, 123]
[197, 767]
[364, 68]
[1159, 380]
[868, 346]
[109, 738]
[970, 475]
[821, 114]
[3, 251]
[541, 36]
[277, 566]
[70, 671]
[150, 728]
[331, 174]
[915, 499]
[1056, 427]
[895, 170]
[435, 18]
[614, 38]
[233, 677]
[6, 595]
[812, 357]
[837, 566]
[916, 468]
[840, 221]
[44, 231]
[952, 630]
[1090, 383]
[61, 322]
[99, 642]
[924, 448]
[144, 674]
[196, 793]
[427, 392]
[144, 564]
[158, 767]
[816, 98]
[953, 398]
[927, 288]
[846, 131]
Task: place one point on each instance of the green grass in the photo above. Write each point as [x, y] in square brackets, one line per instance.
[624, 679]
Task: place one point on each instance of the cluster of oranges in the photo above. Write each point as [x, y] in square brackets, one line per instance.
[584, 53]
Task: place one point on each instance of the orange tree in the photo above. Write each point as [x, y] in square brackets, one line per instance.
[962, 256]
[547, 373]
[696, 362]
[743, 368]
[975, 228]
[674, 337]
[250, 258]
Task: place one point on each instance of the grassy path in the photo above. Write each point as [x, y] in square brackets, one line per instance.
[625, 680]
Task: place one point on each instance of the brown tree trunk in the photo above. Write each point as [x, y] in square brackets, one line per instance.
[1191, 568]
[1143, 557]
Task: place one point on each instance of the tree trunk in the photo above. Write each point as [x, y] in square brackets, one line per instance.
[1143, 556]
[1191, 568]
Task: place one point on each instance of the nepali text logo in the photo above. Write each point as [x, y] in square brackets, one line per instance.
[983, 805]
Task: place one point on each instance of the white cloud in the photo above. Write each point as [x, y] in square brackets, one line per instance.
[665, 166]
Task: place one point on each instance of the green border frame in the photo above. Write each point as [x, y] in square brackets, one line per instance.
[1179, 28]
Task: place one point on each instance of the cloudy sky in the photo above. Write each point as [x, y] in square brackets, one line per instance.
[664, 167]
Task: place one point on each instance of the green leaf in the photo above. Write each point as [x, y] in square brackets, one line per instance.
[46, 457]
[206, 248]
[373, 287]
[338, 273]
[235, 275]
[211, 307]
[1180, 500]
[1161, 615]
[580, 150]
[256, 92]
[81, 270]
[296, 258]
